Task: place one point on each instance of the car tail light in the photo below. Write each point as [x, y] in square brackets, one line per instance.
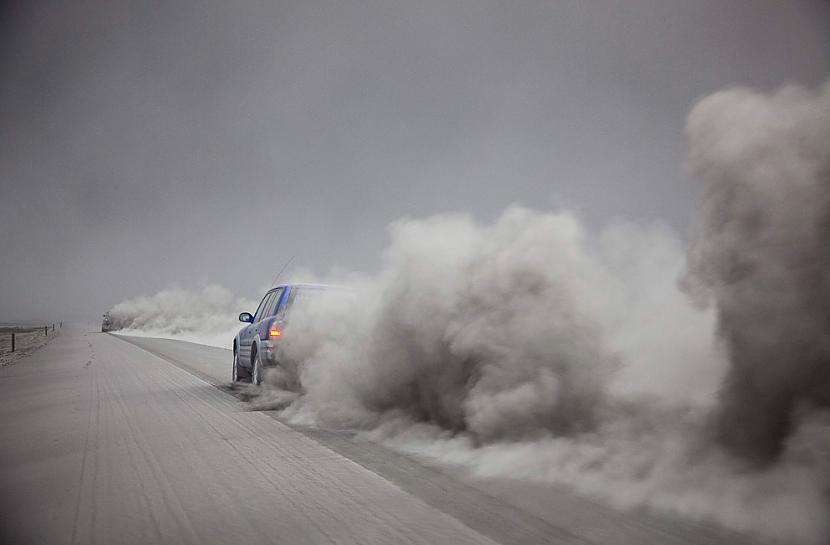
[274, 332]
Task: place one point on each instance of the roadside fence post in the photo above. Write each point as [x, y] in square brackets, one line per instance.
[46, 331]
[12, 341]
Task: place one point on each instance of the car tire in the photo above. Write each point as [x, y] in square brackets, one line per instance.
[256, 371]
[235, 372]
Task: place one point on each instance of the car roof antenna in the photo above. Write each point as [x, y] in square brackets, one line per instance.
[287, 263]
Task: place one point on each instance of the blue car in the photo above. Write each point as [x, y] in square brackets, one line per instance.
[256, 345]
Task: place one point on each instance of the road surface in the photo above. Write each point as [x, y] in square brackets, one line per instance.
[107, 440]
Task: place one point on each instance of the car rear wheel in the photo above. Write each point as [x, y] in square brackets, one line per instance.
[256, 371]
[235, 374]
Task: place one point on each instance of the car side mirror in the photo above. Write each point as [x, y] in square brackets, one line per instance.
[246, 317]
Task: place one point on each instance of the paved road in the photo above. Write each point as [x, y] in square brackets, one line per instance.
[107, 441]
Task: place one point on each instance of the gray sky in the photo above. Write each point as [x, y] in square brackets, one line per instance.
[146, 144]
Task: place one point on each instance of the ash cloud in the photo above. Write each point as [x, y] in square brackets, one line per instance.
[515, 330]
[761, 256]
[467, 328]
[206, 316]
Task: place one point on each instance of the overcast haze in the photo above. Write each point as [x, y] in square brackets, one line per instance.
[147, 144]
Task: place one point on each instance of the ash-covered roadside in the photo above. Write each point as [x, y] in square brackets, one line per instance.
[18, 341]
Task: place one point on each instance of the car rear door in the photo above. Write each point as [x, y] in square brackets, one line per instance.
[246, 336]
[263, 316]
[268, 311]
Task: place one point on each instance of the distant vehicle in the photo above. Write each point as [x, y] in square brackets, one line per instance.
[256, 345]
[106, 323]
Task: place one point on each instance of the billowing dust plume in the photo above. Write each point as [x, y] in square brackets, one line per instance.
[761, 255]
[515, 330]
[206, 316]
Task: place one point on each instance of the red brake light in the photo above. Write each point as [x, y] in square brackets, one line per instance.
[274, 332]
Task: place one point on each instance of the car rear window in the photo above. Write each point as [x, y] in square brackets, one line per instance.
[272, 303]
